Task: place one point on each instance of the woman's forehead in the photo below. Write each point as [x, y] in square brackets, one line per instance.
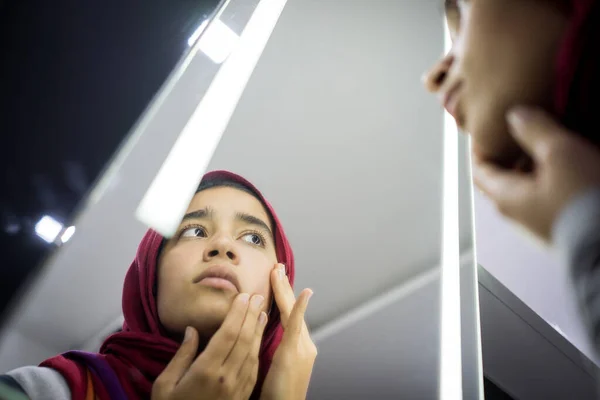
[226, 201]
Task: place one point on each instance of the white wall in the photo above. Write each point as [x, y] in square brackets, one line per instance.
[17, 350]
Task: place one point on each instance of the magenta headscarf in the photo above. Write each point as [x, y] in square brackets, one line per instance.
[578, 71]
[130, 361]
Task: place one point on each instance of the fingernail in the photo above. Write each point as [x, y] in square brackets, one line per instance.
[309, 296]
[188, 334]
[257, 301]
[281, 271]
[519, 115]
[262, 318]
[244, 297]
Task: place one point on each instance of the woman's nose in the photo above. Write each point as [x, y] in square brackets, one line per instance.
[436, 76]
[221, 247]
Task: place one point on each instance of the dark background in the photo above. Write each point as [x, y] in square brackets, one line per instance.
[74, 78]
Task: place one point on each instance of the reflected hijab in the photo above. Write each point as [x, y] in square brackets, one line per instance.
[578, 71]
[129, 361]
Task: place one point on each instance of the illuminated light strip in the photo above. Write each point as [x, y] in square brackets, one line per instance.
[169, 195]
[450, 343]
[192, 39]
[475, 282]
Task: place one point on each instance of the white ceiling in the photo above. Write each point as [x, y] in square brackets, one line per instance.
[336, 130]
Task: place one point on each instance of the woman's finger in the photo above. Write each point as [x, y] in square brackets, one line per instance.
[283, 292]
[224, 339]
[180, 363]
[249, 369]
[511, 191]
[497, 183]
[249, 384]
[296, 321]
[246, 338]
[534, 129]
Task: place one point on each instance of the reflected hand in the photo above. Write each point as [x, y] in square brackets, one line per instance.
[563, 166]
[227, 368]
[292, 364]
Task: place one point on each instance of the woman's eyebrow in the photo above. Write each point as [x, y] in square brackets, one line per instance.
[252, 220]
[450, 5]
[205, 213]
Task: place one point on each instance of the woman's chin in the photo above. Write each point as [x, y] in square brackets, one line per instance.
[207, 321]
[206, 312]
[505, 155]
[213, 307]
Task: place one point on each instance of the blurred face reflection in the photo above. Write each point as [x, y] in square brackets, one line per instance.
[503, 54]
[226, 231]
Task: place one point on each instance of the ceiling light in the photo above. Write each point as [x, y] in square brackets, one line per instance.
[67, 234]
[48, 228]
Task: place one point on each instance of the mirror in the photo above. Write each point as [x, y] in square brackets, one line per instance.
[335, 129]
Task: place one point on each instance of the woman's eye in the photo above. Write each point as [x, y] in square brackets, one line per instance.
[196, 231]
[454, 11]
[253, 238]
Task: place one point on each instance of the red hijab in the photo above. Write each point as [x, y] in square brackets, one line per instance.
[139, 353]
[578, 71]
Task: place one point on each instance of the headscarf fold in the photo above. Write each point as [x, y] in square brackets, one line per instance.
[129, 361]
[578, 71]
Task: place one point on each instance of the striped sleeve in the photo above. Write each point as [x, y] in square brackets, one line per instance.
[10, 389]
[576, 236]
[41, 383]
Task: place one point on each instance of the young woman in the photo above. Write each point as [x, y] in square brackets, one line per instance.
[522, 79]
[209, 314]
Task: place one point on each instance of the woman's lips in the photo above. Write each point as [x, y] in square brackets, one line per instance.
[219, 277]
[510, 159]
[218, 283]
[451, 102]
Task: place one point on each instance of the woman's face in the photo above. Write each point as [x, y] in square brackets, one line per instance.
[226, 231]
[503, 54]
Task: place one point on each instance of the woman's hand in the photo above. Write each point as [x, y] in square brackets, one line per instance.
[292, 364]
[564, 165]
[227, 368]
